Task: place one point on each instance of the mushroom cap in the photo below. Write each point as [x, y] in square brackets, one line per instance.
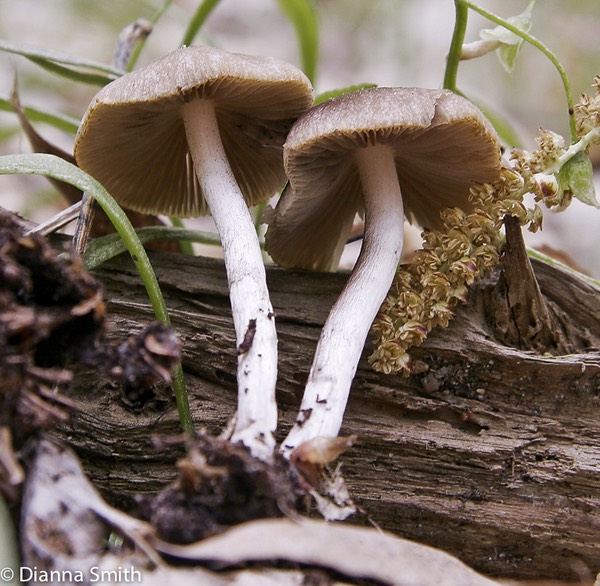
[442, 145]
[132, 137]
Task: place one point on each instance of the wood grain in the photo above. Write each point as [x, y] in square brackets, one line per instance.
[489, 452]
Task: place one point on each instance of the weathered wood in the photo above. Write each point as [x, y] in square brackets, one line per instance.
[524, 320]
[489, 452]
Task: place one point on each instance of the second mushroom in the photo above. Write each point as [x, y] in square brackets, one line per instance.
[202, 128]
[376, 152]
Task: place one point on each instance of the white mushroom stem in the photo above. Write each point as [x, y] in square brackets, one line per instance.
[343, 336]
[250, 304]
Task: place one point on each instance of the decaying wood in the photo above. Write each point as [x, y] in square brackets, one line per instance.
[524, 320]
[488, 452]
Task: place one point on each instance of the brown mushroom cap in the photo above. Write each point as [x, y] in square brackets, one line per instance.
[442, 145]
[132, 138]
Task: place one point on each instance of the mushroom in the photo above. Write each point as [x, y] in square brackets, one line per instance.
[371, 152]
[202, 129]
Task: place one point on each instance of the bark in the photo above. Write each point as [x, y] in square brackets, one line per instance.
[487, 451]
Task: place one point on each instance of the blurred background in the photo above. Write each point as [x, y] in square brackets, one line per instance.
[386, 42]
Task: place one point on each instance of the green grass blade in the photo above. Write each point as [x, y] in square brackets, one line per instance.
[137, 51]
[303, 16]
[72, 74]
[158, 14]
[61, 170]
[104, 248]
[64, 123]
[202, 13]
[58, 57]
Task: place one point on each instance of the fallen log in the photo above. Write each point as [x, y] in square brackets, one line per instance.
[489, 452]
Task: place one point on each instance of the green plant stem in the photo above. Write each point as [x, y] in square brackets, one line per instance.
[538, 45]
[57, 168]
[451, 74]
[577, 147]
[458, 36]
[202, 13]
[137, 50]
[185, 245]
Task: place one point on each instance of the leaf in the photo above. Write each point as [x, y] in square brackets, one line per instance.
[60, 498]
[41, 145]
[577, 177]
[64, 123]
[303, 16]
[507, 54]
[506, 131]
[357, 552]
[47, 55]
[77, 520]
[344, 90]
[510, 42]
[72, 74]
